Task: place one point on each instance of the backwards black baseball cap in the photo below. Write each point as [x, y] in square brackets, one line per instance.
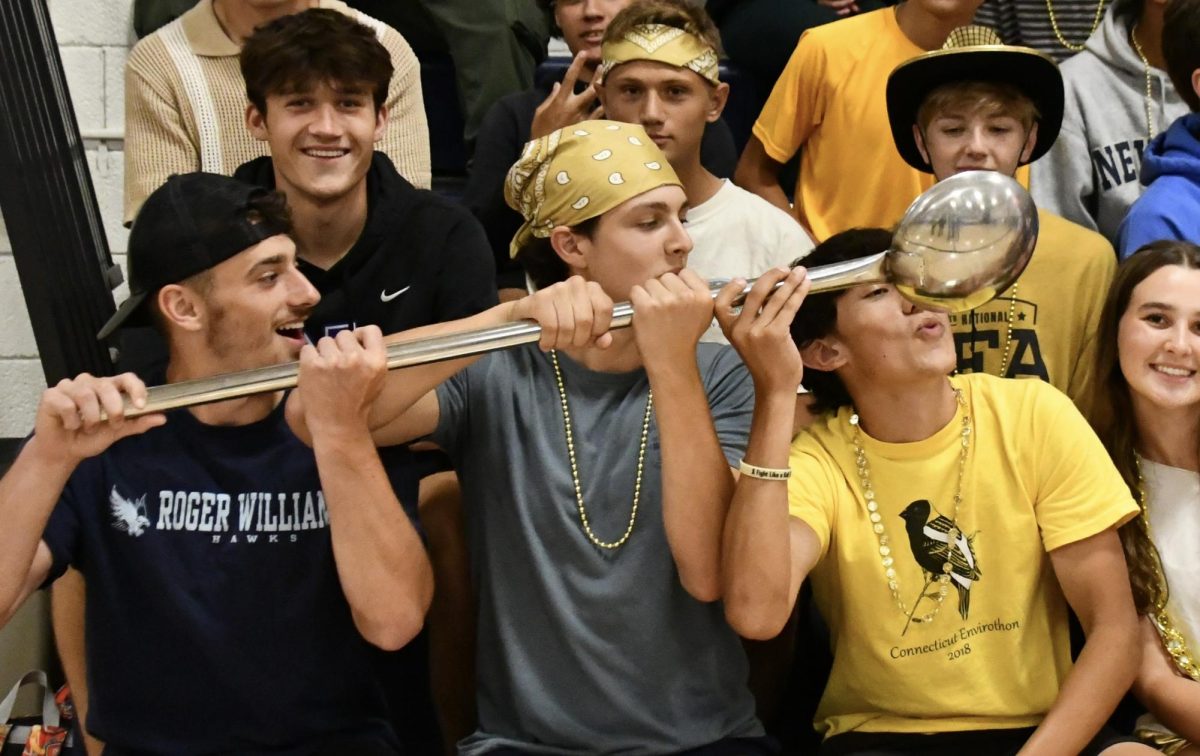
[191, 223]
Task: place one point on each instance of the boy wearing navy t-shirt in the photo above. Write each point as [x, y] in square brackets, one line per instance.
[235, 577]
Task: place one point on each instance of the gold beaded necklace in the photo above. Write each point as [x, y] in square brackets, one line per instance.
[1012, 311]
[637, 481]
[1172, 639]
[1149, 88]
[885, 543]
[1063, 40]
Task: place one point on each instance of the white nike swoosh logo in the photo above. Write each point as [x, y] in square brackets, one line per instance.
[385, 297]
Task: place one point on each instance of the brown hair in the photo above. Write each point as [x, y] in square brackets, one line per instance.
[818, 317]
[1181, 29]
[989, 97]
[1114, 419]
[542, 264]
[680, 14]
[1128, 11]
[295, 53]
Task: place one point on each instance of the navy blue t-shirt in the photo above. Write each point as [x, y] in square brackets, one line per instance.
[215, 618]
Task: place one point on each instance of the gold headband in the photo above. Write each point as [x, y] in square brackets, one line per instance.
[579, 172]
[664, 44]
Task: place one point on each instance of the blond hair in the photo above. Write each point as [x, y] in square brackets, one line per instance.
[991, 98]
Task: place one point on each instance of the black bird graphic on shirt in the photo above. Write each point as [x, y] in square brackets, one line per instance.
[930, 543]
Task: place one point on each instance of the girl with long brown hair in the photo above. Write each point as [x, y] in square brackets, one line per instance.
[1148, 363]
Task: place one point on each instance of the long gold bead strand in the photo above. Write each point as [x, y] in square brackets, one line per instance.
[886, 557]
[1173, 640]
[1008, 334]
[1063, 40]
[575, 478]
[1149, 96]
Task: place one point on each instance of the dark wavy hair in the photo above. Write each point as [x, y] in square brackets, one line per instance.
[818, 316]
[542, 264]
[1181, 29]
[1114, 420]
[1128, 11]
[294, 53]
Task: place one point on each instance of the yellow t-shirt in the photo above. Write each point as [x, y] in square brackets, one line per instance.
[1055, 311]
[830, 100]
[1036, 478]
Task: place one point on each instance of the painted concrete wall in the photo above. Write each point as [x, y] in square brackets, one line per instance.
[94, 37]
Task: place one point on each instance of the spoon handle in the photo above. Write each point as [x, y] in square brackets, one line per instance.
[450, 346]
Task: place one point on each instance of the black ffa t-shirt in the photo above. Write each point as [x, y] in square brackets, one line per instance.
[216, 621]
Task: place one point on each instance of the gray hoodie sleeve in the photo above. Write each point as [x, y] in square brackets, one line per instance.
[1062, 180]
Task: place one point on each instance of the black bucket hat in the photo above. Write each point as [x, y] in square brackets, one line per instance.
[191, 223]
[974, 53]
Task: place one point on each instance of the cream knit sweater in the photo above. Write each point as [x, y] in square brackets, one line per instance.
[185, 103]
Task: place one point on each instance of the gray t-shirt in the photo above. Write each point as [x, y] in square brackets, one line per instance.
[583, 649]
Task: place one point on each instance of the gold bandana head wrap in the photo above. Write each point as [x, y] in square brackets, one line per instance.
[663, 44]
[579, 172]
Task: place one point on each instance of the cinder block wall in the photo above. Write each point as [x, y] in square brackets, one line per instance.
[94, 37]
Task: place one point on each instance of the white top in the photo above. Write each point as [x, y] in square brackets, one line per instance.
[1173, 502]
[737, 233]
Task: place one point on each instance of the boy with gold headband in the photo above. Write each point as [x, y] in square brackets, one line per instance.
[550, 105]
[980, 105]
[659, 68]
[596, 477]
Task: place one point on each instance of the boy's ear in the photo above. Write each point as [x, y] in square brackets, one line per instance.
[826, 353]
[180, 306]
[717, 100]
[919, 139]
[256, 122]
[1196, 82]
[1030, 143]
[381, 122]
[566, 245]
[601, 91]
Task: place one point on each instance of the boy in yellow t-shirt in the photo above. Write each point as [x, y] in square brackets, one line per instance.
[942, 520]
[828, 105]
[974, 106]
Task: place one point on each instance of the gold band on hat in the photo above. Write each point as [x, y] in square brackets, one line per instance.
[972, 35]
[579, 172]
[662, 44]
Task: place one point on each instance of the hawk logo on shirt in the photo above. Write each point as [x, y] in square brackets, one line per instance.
[128, 516]
[931, 545]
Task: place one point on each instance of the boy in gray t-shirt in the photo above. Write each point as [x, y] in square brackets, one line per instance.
[582, 647]
[596, 471]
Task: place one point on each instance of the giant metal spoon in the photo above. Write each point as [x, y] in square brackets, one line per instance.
[959, 245]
